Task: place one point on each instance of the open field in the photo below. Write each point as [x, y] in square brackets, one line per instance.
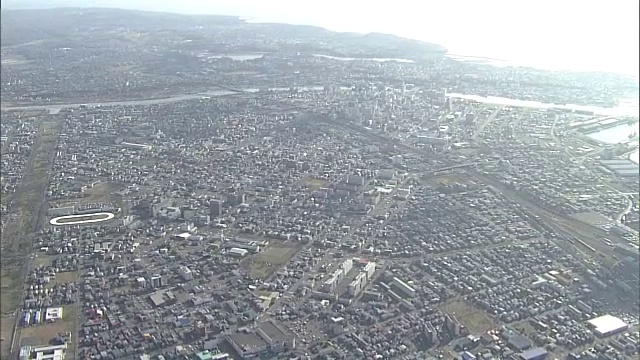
[473, 319]
[41, 334]
[6, 331]
[11, 290]
[100, 192]
[40, 260]
[316, 184]
[65, 278]
[270, 259]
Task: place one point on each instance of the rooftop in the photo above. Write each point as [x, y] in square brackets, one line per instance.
[607, 324]
[274, 332]
[247, 340]
[533, 353]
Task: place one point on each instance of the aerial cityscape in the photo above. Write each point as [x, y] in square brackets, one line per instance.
[201, 187]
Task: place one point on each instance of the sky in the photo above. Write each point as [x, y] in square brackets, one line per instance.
[593, 35]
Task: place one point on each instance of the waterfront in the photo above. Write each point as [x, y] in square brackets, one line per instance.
[614, 135]
[363, 59]
[626, 107]
[618, 134]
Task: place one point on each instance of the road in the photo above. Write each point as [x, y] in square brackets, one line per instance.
[486, 122]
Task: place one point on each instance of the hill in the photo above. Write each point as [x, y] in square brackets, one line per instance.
[21, 26]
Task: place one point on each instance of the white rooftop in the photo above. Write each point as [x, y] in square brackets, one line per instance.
[607, 323]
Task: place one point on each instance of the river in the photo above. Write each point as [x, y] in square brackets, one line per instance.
[618, 134]
[365, 59]
[621, 110]
[612, 135]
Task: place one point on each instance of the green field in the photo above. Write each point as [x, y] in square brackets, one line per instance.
[264, 264]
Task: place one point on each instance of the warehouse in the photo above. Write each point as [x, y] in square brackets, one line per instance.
[403, 287]
[607, 325]
[238, 252]
[533, 354]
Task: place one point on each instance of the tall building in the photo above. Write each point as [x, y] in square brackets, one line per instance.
[156, 281]
[430, 333]
[236, 198]
[215, 208]
[452, 324]
[185, 273]
[358, 284]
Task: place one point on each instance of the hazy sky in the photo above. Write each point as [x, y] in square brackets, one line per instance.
[567, 34]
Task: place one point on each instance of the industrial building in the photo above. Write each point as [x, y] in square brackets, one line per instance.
[533, 354]
[403, 287]
[621, 167]
[44, 352]
[52, 314]
[268, 337]
[432, 139]
[607, 325]
[237, 252]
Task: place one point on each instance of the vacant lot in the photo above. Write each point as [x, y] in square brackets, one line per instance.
[473, 319]
[592, 218]
[262, 265]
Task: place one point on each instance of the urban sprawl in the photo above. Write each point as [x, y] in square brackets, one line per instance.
[309, 207]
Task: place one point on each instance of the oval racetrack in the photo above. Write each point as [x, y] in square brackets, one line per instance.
[81, 219]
